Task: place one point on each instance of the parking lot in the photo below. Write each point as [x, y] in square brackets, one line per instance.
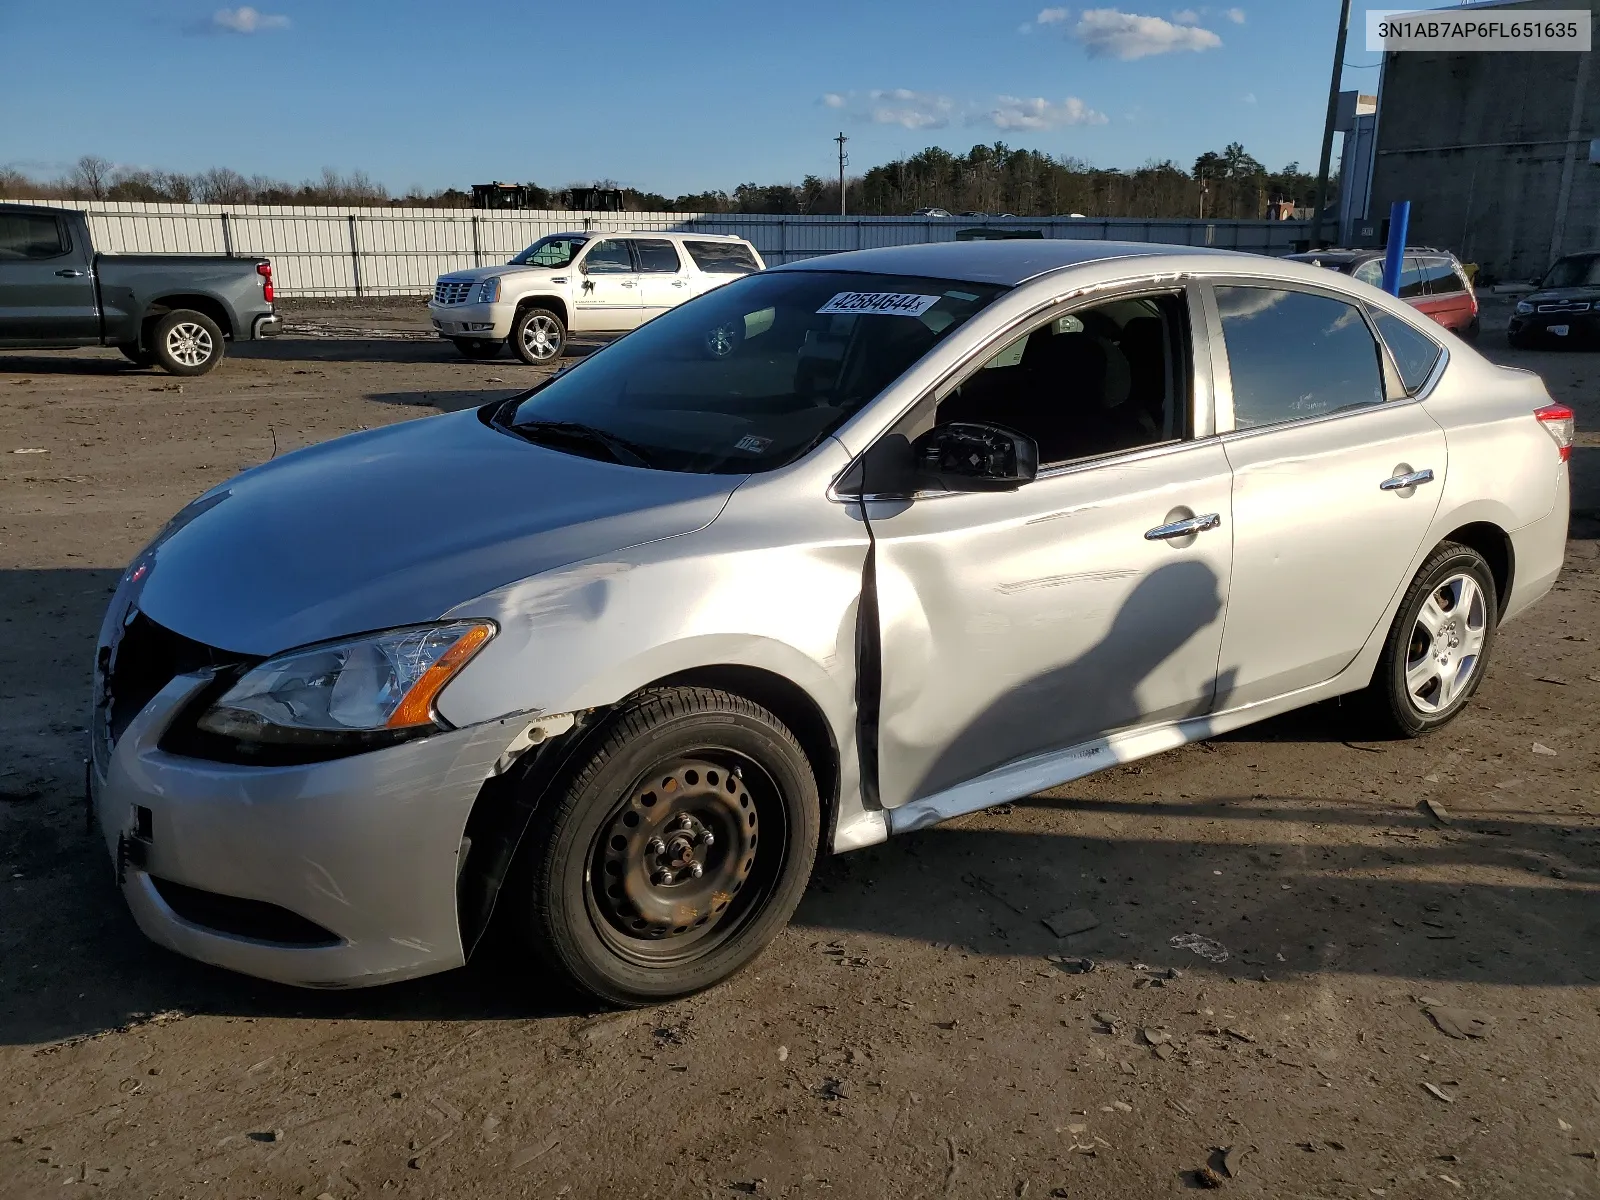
[1380, 999]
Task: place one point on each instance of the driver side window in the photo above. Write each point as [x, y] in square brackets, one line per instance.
[1098, 381]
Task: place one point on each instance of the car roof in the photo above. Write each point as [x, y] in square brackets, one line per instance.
[1005, 262]
[591, 234]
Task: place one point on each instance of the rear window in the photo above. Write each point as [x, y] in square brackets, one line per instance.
[722, 258]
[30, 235]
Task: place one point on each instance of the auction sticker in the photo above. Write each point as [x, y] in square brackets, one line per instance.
[895, 304]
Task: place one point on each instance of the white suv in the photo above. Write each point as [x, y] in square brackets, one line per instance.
[581, 283]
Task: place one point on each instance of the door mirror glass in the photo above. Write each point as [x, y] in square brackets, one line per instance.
[965, 456]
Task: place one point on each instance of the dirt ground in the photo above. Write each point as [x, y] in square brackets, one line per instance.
[917, 1031]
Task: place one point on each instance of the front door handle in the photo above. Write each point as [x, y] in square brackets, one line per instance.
[1399, 483]
[72, 273]
[1178, 529]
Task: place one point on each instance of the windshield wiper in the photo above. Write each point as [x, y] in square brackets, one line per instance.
[620, 449]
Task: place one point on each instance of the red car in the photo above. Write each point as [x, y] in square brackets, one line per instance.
[1431, 281]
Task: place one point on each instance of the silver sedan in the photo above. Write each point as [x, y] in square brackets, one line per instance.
[835, 552]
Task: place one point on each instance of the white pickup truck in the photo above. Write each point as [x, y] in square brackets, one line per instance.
[581, 283]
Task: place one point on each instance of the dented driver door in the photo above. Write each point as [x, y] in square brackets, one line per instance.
[1015, 626]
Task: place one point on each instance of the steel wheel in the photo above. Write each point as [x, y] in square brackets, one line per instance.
[675, 852]
[189, 344]
[541, 338]
[1446, 643]
[670, 866]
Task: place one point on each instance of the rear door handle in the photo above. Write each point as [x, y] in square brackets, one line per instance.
[1178, 529]
[1400, 482]
[72, 274]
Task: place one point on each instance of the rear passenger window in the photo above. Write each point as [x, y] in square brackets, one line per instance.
[1294, 355]
[657, 257]
[30, 235]
[1440, 277]
[1411, 279]
[722, 258]
[1414, 352]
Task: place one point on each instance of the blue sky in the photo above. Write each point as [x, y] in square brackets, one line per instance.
[671, 97]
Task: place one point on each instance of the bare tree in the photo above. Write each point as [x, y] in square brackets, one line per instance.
[222, 185]
[91, 176]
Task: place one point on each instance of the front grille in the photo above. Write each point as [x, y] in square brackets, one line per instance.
[142, 660]
[452, 291]
[1565, 306]
[238, 917]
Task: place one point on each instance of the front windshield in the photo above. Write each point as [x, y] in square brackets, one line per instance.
[752, 375]
[550, 252]
[1581, 270]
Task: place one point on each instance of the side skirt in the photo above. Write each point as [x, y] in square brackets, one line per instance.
[1017, 780]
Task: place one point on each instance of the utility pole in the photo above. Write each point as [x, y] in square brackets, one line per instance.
[843, 158]
[1327, 128]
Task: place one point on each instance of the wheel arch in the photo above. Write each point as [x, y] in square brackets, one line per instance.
[554, 303]
[198, 301]
[505, 804]
[1494, 543]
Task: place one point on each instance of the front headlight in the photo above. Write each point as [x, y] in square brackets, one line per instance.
[1523, 308]
[365, 692]
[489, 290]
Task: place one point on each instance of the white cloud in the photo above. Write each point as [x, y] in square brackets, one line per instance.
[1249, 97]
[245, 19]
[909, 109]
[1236, 15]
[1053, 16]
[1186, 16]
[1107, 32]
[833, 99]
[1013, 112]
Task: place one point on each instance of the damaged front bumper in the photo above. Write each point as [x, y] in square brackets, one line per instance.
[333, 874]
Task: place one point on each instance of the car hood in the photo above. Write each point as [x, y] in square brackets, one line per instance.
[474, 274]
[1555, 295]
[395, 527]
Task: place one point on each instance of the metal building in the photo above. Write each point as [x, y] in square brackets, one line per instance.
[1493, 151]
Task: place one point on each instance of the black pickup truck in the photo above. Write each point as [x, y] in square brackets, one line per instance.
[174, 311]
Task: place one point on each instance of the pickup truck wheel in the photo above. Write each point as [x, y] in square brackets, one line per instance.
[478, 347]
[187, 343]
[136, 355]
[675, 853]
[538, 336]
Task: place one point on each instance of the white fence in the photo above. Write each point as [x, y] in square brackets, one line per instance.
[400, 251]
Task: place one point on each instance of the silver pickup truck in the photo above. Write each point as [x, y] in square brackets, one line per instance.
[174, 311]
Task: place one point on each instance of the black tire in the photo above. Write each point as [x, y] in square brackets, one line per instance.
[479, 348]
[186, 342]
[1471, 331]
[1391, 707]
[538, 337]
[1519, 341]
[137, 356]
[587, 878]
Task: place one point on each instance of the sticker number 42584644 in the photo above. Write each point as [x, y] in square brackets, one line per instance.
[898, 304]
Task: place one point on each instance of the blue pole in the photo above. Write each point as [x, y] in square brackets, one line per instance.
[1399, 219]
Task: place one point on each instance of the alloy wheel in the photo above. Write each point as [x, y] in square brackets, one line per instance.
[189, 344]
[542, 338]
[1446, 643]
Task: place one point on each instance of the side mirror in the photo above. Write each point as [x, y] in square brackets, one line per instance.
[583, 268]
[969, 457]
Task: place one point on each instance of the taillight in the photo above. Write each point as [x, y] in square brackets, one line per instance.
[1558, 422]
[265, 271]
